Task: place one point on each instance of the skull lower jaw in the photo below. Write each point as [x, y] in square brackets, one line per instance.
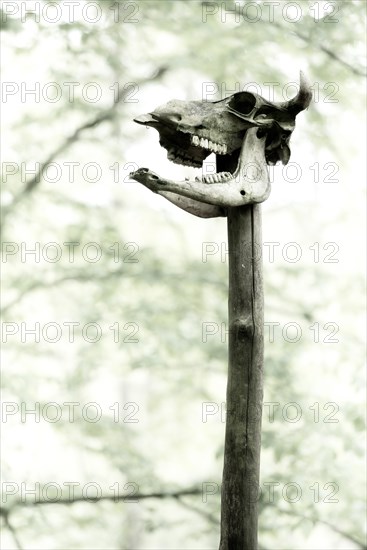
[249, 182]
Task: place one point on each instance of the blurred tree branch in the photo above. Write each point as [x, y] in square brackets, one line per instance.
[5, 515]
[129, 497]
[195, 491]
[6, 512]
[84, 276]
[331, 526]
[309, 40]
[326, 50]
[103, 116]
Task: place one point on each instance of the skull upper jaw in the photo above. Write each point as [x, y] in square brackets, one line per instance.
[191, 130]
[190, 146]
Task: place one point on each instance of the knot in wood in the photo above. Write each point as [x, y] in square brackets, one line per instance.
[243, 329]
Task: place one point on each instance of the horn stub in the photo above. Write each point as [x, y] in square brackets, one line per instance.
[302, 100]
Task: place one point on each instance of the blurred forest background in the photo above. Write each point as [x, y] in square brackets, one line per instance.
[121, 367]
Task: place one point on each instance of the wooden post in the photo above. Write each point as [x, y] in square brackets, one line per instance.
[264, 140]
[239, 515]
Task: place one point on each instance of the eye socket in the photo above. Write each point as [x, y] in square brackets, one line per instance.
[242, 102]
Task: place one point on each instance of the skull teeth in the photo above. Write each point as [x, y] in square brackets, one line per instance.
[179, 156]
[218, 148]
[221, 177]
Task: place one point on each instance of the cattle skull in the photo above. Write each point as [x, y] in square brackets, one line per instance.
[244, 130]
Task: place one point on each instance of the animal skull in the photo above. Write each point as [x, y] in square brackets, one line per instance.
[243, 130]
